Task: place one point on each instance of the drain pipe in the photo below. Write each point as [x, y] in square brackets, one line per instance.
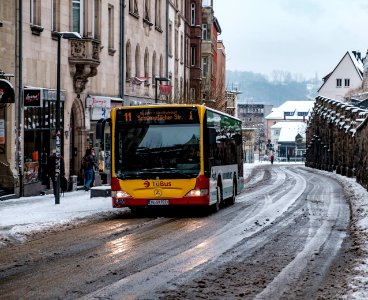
[20, 100]
[122, 50]
[167, 39]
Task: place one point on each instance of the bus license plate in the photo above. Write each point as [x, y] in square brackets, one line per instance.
[158, 202]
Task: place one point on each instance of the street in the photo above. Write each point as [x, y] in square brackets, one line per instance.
[286, 237]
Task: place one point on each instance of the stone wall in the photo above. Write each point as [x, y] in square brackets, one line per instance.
[337, 139]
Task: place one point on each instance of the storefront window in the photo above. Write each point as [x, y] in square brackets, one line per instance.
[39, 133]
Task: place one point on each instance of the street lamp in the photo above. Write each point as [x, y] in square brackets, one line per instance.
[159, 79]
[64, 35]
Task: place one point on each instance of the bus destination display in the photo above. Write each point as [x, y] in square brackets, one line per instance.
[158, 116]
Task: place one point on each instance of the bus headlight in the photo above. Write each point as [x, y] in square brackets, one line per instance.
[197, 193]
[119, 194]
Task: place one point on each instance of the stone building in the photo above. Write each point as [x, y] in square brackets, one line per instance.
[194, 49]
[124, 47]
[9, 179]
[145, 49]
[210, 31]
[176, 50]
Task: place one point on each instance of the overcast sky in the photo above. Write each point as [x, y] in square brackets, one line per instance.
[300, 36]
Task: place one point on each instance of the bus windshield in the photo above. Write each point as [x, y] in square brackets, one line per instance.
[151, 151]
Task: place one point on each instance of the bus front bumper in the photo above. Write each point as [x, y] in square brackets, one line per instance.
[184, 201]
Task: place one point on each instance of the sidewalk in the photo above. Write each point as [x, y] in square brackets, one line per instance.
[23, 216]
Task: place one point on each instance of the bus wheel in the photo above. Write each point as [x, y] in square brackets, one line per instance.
[216, 206]
[233, 197]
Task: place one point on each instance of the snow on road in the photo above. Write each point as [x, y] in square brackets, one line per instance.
[24, 216]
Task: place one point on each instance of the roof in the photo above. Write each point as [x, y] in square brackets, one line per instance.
[291, 106]
[289, 130]
[357, 63]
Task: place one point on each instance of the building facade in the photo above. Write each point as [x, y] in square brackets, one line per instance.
[124, 46]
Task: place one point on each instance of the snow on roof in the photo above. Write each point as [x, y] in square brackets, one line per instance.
[289, 130]
[291, 106]
[357, 62]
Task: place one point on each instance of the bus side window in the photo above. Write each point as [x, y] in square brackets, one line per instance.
[212, 136]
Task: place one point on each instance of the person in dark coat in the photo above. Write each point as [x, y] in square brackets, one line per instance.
[88, 166]
[51, 166]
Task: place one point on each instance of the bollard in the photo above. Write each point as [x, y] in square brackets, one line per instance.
[74, 183]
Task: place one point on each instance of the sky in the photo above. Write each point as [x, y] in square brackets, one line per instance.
[21, 217]
[304, 37]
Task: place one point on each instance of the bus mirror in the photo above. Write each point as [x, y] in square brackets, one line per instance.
[100, 128]
[212, 136]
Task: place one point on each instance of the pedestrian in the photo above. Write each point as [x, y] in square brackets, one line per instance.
[93, 153]
[272, 158]
[88, 165]
[51, 169]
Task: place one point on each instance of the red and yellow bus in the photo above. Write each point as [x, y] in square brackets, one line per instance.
[175, 155]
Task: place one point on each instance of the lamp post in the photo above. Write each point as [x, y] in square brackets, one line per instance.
[64, 35]
[159, 79]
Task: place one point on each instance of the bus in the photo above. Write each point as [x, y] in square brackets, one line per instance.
[171, 155]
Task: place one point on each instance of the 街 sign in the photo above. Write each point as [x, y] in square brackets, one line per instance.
[6, 92]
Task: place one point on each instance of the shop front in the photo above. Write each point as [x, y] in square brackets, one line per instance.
[99, 108]
[39, 136]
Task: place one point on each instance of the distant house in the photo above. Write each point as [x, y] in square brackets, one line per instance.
[288, 138]
[346, 76]
[297, 111]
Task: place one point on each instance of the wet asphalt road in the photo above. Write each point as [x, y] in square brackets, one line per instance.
[286, 237]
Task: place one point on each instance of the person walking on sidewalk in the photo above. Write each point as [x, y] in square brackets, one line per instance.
[88, 165]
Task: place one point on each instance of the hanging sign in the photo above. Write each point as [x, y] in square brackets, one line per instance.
[7, 94]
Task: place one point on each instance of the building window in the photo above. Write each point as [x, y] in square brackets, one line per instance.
[161, 66]
[55, 15]
[182, 48]
[128, 60]
[176, 44]
[170, 39]
[77, 16]
[95, 20]
[347, 82]
[204, 32]
[36, 12]
[137, 61]
[192, 14]
[154, 67]
[147, 10]
[193, 56]
[158, 14]
[133, 7]
[146, 63]
[204, 66]
[111, 27]
[338, 82]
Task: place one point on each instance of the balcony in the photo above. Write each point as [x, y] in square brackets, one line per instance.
[84, 58]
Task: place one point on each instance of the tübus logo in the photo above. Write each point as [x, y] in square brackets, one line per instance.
[146, 184]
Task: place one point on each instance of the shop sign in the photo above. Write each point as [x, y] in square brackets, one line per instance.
[7, 94]
[98, 101]
[32, 97]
